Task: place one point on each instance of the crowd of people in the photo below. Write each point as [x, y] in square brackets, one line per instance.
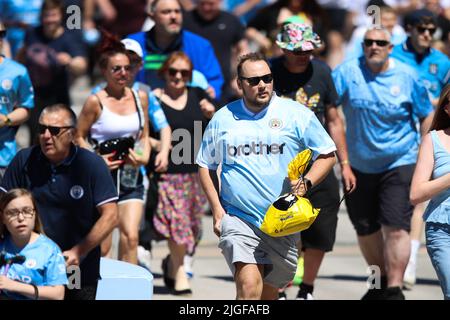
[199, 106]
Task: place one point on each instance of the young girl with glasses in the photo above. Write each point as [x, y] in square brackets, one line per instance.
[31, 265]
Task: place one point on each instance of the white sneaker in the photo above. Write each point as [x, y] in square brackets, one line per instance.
[188, 263]
[144, 257]
[409, 278]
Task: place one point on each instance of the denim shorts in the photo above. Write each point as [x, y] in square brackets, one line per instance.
[240, 241]
[438, 247]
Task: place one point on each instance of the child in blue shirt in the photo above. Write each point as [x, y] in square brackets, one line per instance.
[42, 272]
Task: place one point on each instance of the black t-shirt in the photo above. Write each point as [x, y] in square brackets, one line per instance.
[313, 88]
[187, 126]
[47, 75]
[224, 32]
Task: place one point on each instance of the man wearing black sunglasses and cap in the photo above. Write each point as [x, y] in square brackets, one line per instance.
[382, 99]
[433, 68]
[16, 100]
[74, 191]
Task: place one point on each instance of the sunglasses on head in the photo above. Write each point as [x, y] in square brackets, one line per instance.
[254, 81]
[184, 72]
[117, 69]
[54, 131]
[2, 34]
[379, 43]
[423, 29]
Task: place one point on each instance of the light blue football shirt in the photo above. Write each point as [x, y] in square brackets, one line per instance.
[16, 90]
[381, 113]
[433, 69]
[44, 264]
[255, 150]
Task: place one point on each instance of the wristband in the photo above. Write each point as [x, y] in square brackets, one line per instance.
[8, 121]
[36, 291]
[344, 162]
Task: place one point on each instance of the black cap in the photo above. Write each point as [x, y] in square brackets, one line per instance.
[422, 16]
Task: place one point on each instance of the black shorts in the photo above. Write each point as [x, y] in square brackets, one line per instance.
[322, 233]
[381, 199]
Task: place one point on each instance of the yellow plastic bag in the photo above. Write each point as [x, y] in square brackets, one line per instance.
[289, 213]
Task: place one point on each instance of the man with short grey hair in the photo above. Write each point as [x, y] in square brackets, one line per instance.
[382, 99]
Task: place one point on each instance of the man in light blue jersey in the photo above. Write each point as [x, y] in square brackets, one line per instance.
[432, 66]
[382, 100]
[433, 69]
[253, 140]
[16, 99]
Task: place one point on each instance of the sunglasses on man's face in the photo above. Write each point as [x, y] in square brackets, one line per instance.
[254, 81]
[422, 30]
[54, 131]
[379, 43]
[184, 72]
[2, 34]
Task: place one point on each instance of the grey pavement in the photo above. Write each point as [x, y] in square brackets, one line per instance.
[342, 275]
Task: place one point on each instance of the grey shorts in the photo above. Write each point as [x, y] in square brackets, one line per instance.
[242, 242]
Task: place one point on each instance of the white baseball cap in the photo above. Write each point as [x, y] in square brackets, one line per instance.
[134, 46]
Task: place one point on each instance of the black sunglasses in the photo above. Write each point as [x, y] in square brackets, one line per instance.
[254, 81]
[422, 30]
[54, 131]
[380, 43]
[2, 34]
[184, 72]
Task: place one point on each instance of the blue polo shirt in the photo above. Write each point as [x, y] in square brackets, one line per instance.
[433, 67]
[67, 197]
[15, 91]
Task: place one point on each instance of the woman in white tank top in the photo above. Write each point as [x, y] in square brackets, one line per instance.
[119, 112]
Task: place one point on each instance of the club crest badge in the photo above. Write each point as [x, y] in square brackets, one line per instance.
[7, 84]
[76, 192]
[275, 124]
[433, 68]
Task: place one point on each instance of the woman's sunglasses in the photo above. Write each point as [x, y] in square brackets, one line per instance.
[184, 72]
[54, 131]
[254, 81]
[117, 69]
[2, 34]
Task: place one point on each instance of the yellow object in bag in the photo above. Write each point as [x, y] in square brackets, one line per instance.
[290, 213]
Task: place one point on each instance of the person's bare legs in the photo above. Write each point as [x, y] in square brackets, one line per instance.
[269, 292]
[417, 226]
[130, 215]
[372, 249]
[249, 281]
[397, 247]
[176, 268]
[313, 259]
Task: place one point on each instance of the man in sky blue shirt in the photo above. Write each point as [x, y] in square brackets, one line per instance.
[16, 99]
[382, 101]
[432, 66]
[254, 139]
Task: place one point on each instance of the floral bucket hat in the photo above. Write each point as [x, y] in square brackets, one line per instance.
[298, 37]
